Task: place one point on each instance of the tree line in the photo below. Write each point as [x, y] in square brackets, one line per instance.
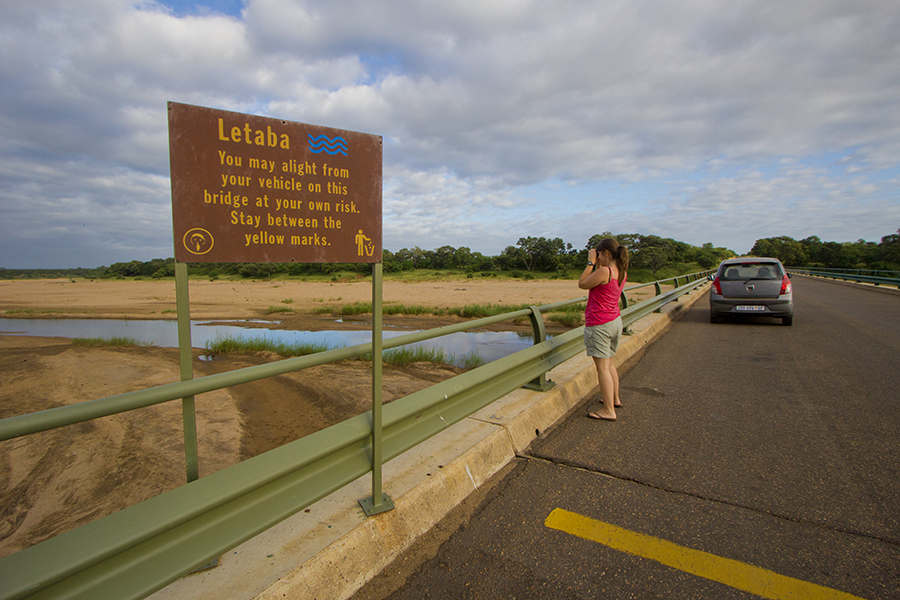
[529, 255]
[813, 252]
[649, 253]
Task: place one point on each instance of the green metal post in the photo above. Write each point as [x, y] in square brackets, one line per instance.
[189, 416]
[623, 304]
[379, 502]
[540, 383]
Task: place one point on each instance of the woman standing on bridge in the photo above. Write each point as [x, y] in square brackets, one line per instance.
[604, 277]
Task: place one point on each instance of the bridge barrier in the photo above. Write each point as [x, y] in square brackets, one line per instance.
[144, 548]
[878, 278]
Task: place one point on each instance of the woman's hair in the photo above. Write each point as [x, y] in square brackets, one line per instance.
[618, 252]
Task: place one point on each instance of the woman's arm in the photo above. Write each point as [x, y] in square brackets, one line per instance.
[591, 278]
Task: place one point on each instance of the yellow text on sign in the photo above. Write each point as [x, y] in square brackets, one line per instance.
[732, 573]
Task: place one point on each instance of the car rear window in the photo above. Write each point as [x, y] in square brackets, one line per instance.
[758, 270]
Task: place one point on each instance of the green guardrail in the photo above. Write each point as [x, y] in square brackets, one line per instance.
[891, 278]
[142, 548]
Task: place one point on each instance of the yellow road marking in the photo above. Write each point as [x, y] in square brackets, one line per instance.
[732, 573]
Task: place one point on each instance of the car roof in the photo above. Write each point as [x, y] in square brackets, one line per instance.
[749, 259]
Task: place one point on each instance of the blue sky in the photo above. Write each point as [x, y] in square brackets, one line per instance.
[700, 121]
[188, 7]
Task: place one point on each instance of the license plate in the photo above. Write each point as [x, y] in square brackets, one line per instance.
[751, 307]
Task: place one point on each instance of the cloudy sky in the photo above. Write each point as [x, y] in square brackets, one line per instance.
[698, 120]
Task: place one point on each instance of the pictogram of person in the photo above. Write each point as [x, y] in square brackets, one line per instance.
[361, 243]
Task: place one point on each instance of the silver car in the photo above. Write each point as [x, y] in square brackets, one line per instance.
[751, 286]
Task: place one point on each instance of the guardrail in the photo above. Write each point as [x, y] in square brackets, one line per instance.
[141, 549]
[876, 277]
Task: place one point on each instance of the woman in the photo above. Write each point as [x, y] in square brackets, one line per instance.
[604, 277]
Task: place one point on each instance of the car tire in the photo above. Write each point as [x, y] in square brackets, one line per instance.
[788, 321]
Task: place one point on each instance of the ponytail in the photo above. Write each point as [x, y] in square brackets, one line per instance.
[619, 254]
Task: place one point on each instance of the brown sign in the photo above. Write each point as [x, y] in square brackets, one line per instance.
[254, 189]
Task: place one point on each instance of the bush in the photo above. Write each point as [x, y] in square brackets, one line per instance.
[166, 271]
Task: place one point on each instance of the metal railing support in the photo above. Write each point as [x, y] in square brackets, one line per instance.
[540, 383]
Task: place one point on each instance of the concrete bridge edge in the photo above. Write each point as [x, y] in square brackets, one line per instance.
[331, 549]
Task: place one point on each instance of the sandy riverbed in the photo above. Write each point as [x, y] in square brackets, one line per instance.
[53, 481]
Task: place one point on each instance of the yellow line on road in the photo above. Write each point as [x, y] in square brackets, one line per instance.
[733, 573]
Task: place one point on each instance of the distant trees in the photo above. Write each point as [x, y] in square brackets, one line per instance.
[708, 257]
[649, 253]
[653, 253]
[542, 254]
[787, 250]
[445, 257]
[158, 267]
[889, 250]
[89, 273]
[531, 254]
[812, 251]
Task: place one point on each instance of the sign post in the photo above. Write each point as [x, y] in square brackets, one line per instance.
[379, 502]
[247, 188]
[188, 412]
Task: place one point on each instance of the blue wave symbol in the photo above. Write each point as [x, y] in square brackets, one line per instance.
[323, 143]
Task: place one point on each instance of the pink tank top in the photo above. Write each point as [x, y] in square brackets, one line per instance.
[603, 303]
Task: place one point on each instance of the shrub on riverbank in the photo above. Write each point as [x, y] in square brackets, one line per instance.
[112, 342]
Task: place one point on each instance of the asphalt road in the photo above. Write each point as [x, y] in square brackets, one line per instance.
[750, 460]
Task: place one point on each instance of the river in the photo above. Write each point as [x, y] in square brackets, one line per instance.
[490, 345]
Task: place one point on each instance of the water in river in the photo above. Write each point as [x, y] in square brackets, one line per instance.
[490, 345]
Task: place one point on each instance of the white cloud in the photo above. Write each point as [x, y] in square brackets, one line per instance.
[674, 119]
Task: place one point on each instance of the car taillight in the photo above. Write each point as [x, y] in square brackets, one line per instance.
[785, 286]
[718, 285]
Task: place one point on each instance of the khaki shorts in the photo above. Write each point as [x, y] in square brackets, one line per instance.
[602, 341]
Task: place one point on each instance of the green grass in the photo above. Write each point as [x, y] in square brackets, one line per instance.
[359, 308]
[113, 342]
[427, 275]
[473, 360]
[567, 319]
[478, 311]
[420, 275]
[400, 357]
[278, 309]
[569, 316]
[31, 311]
[469, 311]
[224, 344]
[403, 357]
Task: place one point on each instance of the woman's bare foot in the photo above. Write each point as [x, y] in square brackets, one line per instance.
[600, 415]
